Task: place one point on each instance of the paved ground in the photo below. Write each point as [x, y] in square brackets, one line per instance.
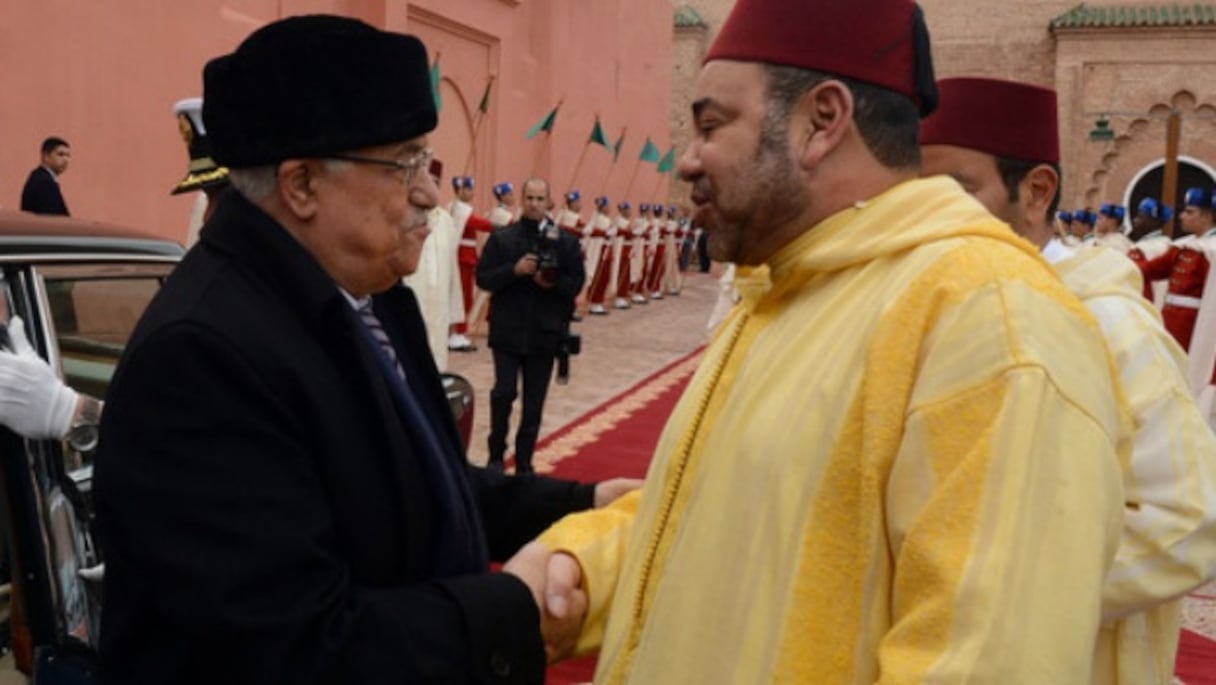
[618, 351]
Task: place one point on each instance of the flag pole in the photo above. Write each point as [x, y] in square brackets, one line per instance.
[481, 115]
[657, 183]
[612, 166]
[579, 164]
[629, 186]
[607, 177]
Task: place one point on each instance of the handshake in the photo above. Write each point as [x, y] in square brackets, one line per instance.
[556, 581]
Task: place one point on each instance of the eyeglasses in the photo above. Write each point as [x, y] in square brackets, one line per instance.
[420, 160]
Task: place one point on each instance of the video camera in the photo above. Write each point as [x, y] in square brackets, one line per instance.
[545, 249]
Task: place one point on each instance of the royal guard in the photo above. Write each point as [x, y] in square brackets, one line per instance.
[637, 257]
[1062, 224]
[1186, 264]
[472, 229]
[657, 242]
[202, 173]
[1081, 230]
[570, 218]
[503, 214]
[598, 261]
[1149, 241]
[672, 278]
[1109, 228]
[637, 260]
[622, 249]
[1149, 223]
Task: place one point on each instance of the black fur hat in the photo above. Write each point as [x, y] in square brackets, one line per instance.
[309, 86]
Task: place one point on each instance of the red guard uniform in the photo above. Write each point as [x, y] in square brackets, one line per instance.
[1147, 249]
[466, 257]
[1186, 266]
[658, 259]
[618, 271]
[598, 261]
[570, 222]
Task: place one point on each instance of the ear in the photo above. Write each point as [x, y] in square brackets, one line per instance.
[825, 113]
[1037, 189]
[297, 187]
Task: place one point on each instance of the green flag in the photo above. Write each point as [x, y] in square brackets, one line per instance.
[435, 84]
[669, 161]
[616, 147]
[485, 98]
[598, 136]
[650, 153]
[545, 124]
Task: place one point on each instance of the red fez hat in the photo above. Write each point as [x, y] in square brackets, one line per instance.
[881, 42]
[1002, 118]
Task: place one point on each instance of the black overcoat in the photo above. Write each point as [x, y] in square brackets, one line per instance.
[263, 510]
[524, 317]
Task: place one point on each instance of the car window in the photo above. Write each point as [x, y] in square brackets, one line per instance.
[93, 311]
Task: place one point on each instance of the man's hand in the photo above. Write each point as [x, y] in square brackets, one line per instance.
[527, 265]
[539, 279]
[607, 491]
[566, 602]
[555, 581]
[33, 401]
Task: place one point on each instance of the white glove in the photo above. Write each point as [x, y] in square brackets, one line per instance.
[33, 401]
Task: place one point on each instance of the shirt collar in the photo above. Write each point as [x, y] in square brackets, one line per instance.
[356, 303]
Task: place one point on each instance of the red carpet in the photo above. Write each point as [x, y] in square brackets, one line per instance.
[618, 438]
[1196, 664]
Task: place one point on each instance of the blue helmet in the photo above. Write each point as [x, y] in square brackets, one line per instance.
[503, 188]
[1064, 215]
[1198, 197]
[1116, 212]
[601, 201]
[573, 196]
[1084, 216]
[1155, 209]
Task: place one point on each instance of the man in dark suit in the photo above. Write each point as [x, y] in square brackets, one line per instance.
[533, 271]
[281, 490]
[41, 194]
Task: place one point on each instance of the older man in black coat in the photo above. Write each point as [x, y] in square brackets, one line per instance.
[282, 493]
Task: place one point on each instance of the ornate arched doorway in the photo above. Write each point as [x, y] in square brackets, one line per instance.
[1148, 181]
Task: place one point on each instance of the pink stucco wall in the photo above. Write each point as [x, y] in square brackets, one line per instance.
[105, 77]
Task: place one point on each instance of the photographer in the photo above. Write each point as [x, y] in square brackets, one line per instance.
[533, 272]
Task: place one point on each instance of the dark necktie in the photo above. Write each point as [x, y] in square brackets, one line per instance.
[381, 337]
[460, 541]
